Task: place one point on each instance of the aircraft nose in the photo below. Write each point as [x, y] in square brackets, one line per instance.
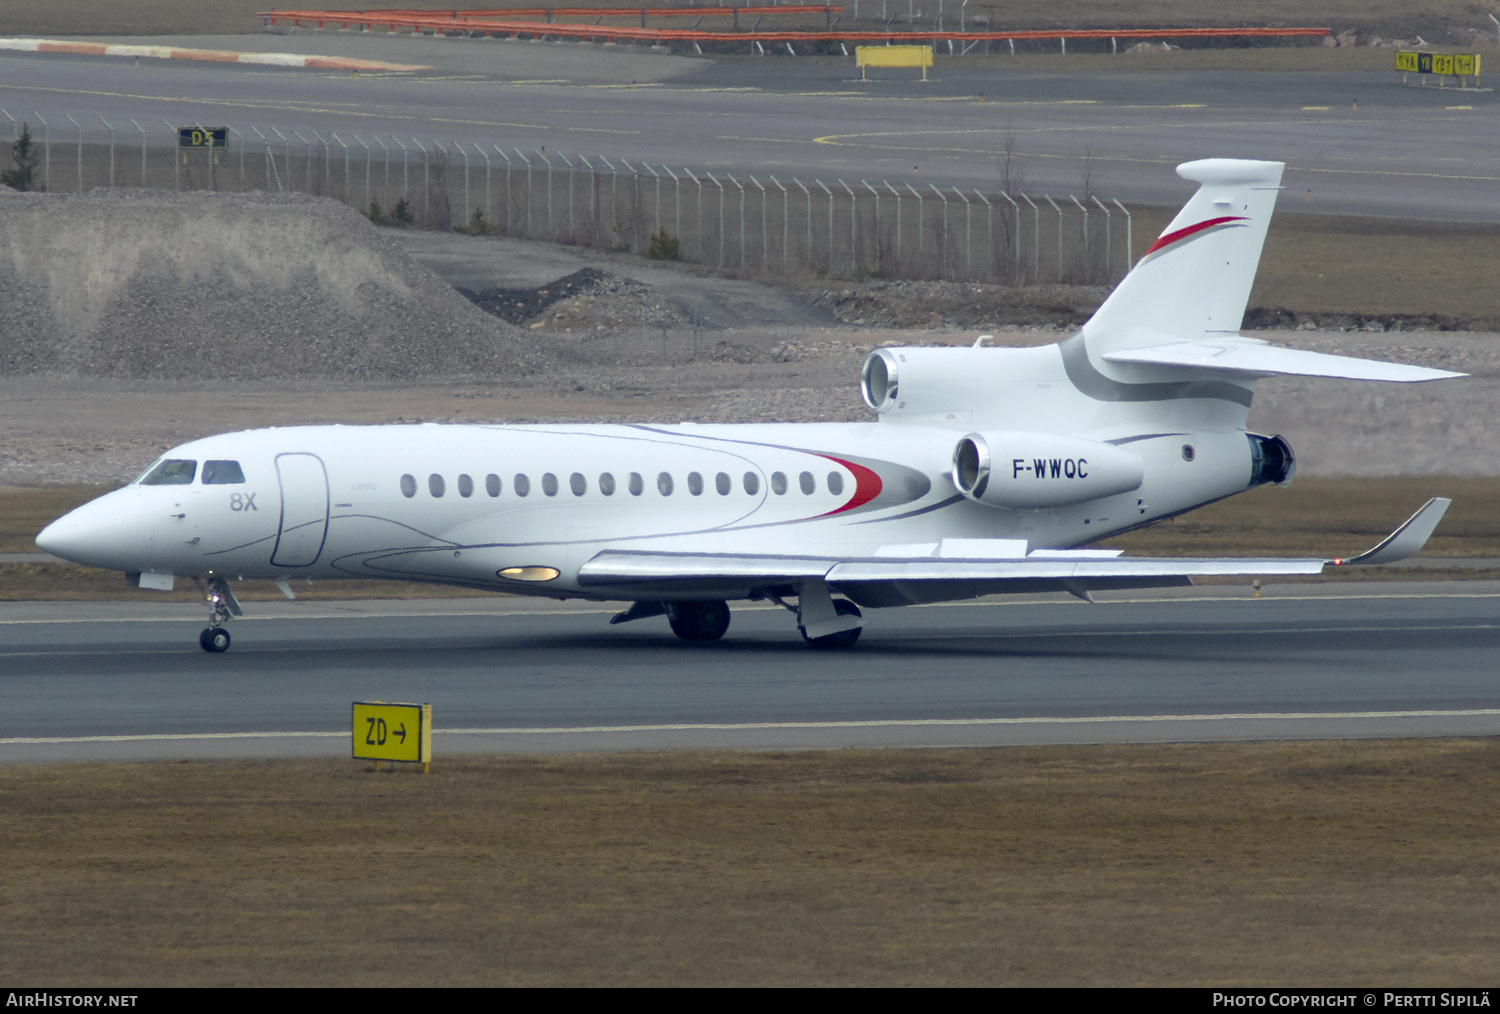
[102, 533]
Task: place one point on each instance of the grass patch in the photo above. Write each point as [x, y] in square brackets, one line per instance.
[1334, 863]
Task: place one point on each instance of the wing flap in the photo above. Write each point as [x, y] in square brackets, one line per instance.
[1258, 359]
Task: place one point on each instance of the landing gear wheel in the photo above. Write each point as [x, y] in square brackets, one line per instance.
[844, 638]
[215, 639]
[698, 621]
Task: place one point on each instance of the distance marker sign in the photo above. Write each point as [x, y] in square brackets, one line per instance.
[393, 732]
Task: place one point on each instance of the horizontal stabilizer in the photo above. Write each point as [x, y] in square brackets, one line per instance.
[1258, 359]
[1405, 541]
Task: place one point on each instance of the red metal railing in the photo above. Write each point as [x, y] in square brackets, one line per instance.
[511, 25]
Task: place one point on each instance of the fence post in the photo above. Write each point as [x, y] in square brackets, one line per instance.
[541, 153]
[286, 156]
[47, 152]
[241, 147]
[1055, 208]
[142, 130]
[523, 158]
[593, 196]
[366, 147]
[786, 200]
[499, 151]
[614, 193]
[898, 223]
[572, 229]
[764, 229]
[920, 227]
[80, 152]
[111, 150]
[808, 194]
[426, 180]
[698, 214]
[176, 158]
[943, 249]
[1086, 272]
[489, 205]
[465, 154]
[876, 245]
[1129, 237]
[830, 223]
[334, 134]
[968, 234]
[656, 215]
[1016, 208]
[1108, 271]
[721, 216]
[676, 202]
[742, 217]
[385, 190]
[1036, 240]
[853, 237]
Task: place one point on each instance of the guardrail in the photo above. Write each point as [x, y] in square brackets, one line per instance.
[514, 27]
[738, 219]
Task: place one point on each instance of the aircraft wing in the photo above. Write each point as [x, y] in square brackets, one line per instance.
[1260, 359]
[885, 579]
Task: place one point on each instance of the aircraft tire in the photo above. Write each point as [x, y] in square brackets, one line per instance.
[214, 639]
[844, 638]
[698, 621]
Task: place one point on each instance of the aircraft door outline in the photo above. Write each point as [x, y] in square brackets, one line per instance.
[302, 527]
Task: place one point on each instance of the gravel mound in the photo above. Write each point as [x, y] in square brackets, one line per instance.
[209, 286]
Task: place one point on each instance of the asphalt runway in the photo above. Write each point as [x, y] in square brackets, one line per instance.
[121, 681]
[1354, 142]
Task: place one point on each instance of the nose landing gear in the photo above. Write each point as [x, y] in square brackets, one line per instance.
[221, 606]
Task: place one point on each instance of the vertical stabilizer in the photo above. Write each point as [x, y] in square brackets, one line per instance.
[1195, 279]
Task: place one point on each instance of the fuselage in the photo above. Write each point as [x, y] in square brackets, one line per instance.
[522, 508]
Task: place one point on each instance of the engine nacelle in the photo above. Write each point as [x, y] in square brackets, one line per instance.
[1028, 471]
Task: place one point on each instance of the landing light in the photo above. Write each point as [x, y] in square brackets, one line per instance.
[529, 573]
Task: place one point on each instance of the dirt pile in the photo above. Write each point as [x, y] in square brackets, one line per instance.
[208, 286]
[586, 300]
[963, 305]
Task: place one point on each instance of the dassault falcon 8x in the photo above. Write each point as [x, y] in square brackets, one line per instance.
[986, 470]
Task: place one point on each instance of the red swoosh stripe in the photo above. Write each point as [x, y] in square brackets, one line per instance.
[1172, 237]
[867, 486]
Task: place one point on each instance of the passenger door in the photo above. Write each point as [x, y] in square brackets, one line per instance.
[303, 525]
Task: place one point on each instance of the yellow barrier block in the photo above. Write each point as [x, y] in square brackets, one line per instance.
[893, 56]
[392, 732]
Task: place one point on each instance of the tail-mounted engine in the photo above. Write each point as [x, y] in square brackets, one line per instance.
[1271, 460]
[1034, 470]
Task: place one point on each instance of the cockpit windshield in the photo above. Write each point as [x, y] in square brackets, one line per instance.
[171, 472]
[222, 473]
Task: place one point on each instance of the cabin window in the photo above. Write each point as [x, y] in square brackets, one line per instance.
[778, 483]
[408, 486]
[549, 484]
[695, 484]
[578, 484]
[606, 484]
[808, 483]
[752, 483]
[521, 484]
[835, 483]
[222, 473]
[435, 485]
[723, 484]
[492, 484]
[465, 486]
[171, 472]
[664, 483]
[637, 485]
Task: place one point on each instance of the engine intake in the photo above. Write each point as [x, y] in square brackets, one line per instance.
[1029, 471]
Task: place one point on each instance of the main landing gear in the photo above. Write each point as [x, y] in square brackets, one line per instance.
[221, 606]
[698, 621]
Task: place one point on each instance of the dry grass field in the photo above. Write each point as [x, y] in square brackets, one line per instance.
[1241, 864]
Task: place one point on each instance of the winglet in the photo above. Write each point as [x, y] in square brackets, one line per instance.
[1405, 541]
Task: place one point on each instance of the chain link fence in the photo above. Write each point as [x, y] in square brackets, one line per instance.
[736, 221]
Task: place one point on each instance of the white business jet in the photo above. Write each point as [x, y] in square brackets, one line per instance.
[984, 470]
